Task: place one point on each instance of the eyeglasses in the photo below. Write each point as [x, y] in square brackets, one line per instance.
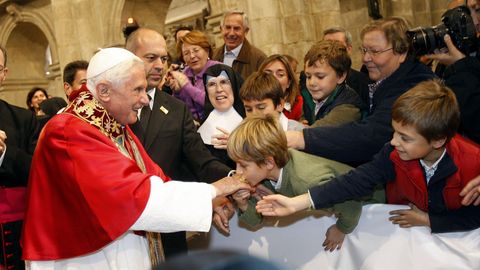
[373, 52]
[188, 53]
[213, 85]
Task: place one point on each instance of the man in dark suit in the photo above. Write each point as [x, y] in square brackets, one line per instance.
[169, 135]
[18, 137]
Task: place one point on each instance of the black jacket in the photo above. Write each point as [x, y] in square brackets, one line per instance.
[172, 141]
[22, 130]
[463, 77]
[356, 143]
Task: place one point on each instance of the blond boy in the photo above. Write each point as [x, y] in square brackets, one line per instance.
[259, 147]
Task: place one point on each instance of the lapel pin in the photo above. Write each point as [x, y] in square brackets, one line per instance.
[164, 110]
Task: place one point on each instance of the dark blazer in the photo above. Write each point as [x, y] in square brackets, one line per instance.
[172, 141]
[22, 130]
[463, 77]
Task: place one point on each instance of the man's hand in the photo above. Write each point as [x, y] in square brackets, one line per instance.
[407, 218]
[219, 141]
[471, 192]
[3, 138]
[295, 139]
[223, 212]
[228, 185]
[450, 57]
[280, 206]
[334, 239]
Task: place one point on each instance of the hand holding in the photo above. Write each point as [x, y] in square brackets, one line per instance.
[241, 198]
[407, 218]
[223, 212]
[179, 77]
[261, 191]
[471, 192]
[3, 138]
[334, 239]
[228, 185]
[450, 57]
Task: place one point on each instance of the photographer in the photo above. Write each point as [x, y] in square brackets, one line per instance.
[462, 75]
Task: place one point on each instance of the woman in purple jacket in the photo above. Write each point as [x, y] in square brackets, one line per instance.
[188, 86]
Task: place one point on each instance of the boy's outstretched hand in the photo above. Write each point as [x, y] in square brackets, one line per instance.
[334, 239]
[280, 206]
[407, 218]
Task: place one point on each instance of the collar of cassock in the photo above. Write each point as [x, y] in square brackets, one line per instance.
[87, 108]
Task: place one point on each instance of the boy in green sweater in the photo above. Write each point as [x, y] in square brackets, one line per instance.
[259, 147]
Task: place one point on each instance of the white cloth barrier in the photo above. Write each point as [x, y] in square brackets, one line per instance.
[376, 243]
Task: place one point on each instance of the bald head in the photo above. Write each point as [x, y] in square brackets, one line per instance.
[151, 47]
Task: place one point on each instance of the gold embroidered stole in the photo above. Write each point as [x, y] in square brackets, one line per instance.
[88, 109]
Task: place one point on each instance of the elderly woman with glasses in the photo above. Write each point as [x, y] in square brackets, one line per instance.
[385, 47]
[188, 86]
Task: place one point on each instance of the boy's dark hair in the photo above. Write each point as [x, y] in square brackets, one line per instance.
[431, 108]
[260, 86]
[332, 52]
[71, 68]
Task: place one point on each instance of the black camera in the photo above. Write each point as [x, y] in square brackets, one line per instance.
[457, 22]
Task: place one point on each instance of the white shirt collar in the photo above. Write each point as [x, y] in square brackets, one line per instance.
[277, 184]
[151, 93]
[235, 51]
[430, 170]
[283, 121]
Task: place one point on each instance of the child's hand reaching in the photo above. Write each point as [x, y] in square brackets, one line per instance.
[334, 239]
[407, 218]
[279, 206]
[241, 199]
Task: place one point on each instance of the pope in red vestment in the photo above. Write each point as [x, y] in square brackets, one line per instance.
[92, 185]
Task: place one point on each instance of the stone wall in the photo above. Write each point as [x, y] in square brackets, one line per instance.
[75, 29]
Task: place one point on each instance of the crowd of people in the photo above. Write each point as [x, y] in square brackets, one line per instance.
[113, 177]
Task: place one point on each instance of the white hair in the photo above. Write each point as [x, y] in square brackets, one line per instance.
[236, 12]
[115, 75]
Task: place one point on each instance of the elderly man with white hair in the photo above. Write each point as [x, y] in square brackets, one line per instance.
[94, 195]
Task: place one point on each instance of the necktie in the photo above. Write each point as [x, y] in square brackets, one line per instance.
[145, 115]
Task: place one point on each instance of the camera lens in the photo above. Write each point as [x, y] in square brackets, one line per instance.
[457, 23]
[426, 40]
